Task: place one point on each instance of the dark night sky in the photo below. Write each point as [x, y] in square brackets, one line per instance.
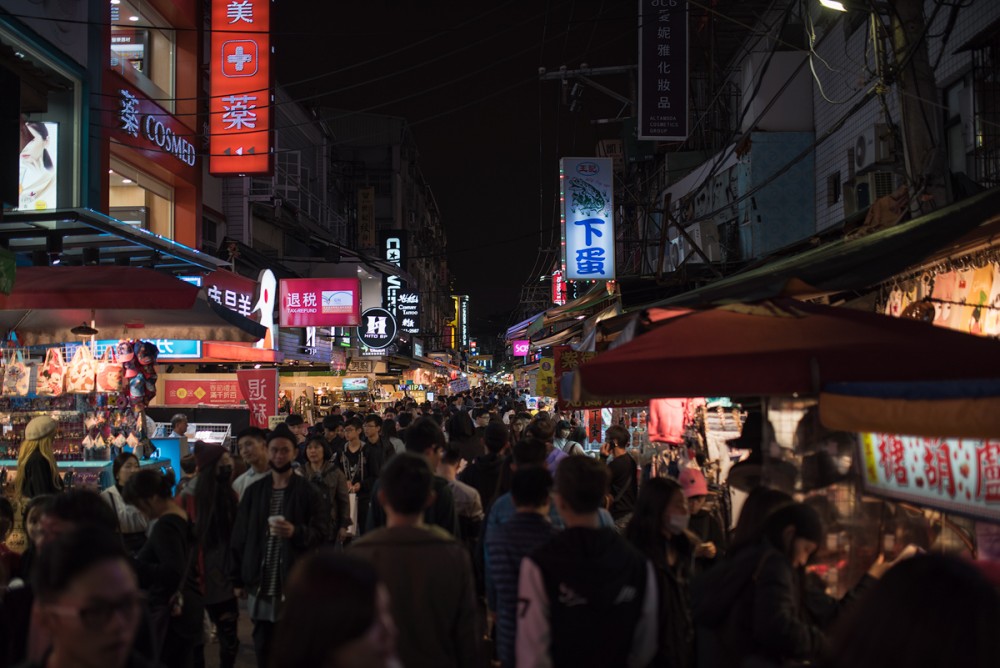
[489, 133]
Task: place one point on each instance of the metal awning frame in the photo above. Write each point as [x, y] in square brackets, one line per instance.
[25, 232]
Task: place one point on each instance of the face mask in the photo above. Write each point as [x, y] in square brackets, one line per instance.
[280, 469]
[678, 524]
[224, 473]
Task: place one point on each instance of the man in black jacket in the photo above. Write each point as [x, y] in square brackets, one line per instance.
[280, 518]
[424, 438]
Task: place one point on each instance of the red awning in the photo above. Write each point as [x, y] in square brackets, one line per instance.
[97, 288]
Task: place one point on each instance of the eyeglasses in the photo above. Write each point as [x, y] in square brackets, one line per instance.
[96, 615]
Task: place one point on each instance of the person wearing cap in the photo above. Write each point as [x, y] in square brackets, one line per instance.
[704, 524]
[37, 472]
[210, 502]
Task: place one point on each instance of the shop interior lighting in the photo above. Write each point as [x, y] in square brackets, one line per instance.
[833, 4]
[126, 181]
[133, 18]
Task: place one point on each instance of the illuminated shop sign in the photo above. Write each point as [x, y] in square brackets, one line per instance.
[586, 189]
[240, 87]
[954, 475]
[143, 124]
[393, 244]
[408, 312]
[319, 302]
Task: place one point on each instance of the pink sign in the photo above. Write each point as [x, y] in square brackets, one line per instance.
[950, 474]
[259, 388]
[522, 348]
[320, 302]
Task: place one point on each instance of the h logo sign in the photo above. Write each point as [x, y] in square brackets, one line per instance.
[377, 325]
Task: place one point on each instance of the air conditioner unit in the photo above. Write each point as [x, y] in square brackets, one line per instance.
[873, 147]
[871, 186]
[706, 235]
[674, 255]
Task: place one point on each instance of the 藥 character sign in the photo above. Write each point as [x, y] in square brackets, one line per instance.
[587, 194]
[240, 87]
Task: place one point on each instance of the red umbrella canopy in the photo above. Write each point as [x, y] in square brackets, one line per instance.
[781, 347]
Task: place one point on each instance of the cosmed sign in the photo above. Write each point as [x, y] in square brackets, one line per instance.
[319, 302]
[954, 475]
[586, 188]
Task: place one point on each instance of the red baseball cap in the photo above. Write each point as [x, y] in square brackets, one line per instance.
[693, 482]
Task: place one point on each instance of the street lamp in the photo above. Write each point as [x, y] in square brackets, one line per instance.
[833, 4]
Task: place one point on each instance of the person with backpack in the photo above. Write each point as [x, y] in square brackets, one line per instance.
[331, 482]
[564, 442]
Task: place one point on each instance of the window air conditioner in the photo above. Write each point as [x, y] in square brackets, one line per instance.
[873, 147]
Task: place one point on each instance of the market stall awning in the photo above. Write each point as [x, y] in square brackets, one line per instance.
[597, 295]
[103, 239]
[781, 347]
[849, 264]
[97, 288]
[559, 337]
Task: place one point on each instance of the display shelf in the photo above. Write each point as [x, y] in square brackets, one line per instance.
[206, 432]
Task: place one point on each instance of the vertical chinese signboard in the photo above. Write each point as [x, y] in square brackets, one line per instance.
[366, 218]
[259, 388]
[558, 288]
[954, 475]
[663, 70]
[586, 189]
[567, 361]
[408, 312]
[240, 87]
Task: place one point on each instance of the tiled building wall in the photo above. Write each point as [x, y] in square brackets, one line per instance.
[848, 77]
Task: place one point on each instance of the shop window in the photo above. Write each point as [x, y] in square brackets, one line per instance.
[143, 48]
[986, 108]
[139, 199]
[50, 106]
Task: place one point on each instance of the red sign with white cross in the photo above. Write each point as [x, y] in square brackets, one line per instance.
[240, 88]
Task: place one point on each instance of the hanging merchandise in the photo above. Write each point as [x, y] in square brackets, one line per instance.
[51, 374]
[17, 376]
[109, 372]
[139, 364]
[81, 374]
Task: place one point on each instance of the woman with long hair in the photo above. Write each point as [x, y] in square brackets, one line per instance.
[462, 436]
[210, 502]
[131, 522]
[165, 566]
[37, 472]
[337, 615]
[331, 482]
[658, 528]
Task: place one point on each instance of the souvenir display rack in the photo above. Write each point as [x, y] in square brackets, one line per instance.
[216, 433]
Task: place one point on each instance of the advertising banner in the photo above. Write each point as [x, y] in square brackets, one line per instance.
[459, 385]
[39, 166]
[320, 302]
[259, 388]
[521, 347]
[954, 475]
[545, 384]
[206, 392]
[586, 190]
[567, 361]
[240, 95]
[663, 70]
[378, 329]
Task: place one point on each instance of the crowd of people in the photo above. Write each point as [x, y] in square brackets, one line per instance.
[464, 532]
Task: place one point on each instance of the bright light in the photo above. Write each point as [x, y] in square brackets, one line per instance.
[833, 4]
[126, 180]
[133, 18]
